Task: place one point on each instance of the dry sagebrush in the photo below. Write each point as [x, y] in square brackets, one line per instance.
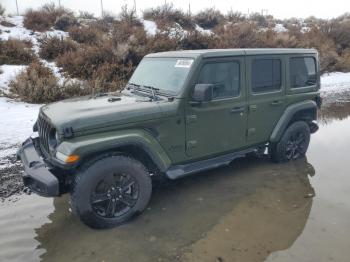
[16, 52]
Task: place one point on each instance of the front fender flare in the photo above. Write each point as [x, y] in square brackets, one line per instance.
[287, 116]
[91, 144]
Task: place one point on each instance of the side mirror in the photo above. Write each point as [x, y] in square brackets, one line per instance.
[203, 93]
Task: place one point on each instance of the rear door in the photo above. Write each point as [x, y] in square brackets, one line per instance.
[218, 126]
[266, 95]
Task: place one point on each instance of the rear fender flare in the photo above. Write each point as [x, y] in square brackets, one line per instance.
[287, 116]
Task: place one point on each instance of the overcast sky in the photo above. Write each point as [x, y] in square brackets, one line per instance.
[279, 9]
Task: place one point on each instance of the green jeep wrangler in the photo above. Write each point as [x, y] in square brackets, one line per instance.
[181, 112]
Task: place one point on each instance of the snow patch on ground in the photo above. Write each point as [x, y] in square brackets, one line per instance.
[17, 120]
[55, 70]
[279, 28]
[335, 82]
[9, 73]
[22, 33]
[203, 31]
[150, 27]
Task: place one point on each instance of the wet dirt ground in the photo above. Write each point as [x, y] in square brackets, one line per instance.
[253, 210]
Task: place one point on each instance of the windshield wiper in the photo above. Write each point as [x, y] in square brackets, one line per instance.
[140, 87]
[154, 90]
[133, 84]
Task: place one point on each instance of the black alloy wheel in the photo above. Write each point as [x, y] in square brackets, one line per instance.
[115, 195]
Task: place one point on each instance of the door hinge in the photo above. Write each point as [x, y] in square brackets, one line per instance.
[191, 144]
[191, 119]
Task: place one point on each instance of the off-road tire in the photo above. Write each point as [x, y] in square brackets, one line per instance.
[91, 174]
[280, 152]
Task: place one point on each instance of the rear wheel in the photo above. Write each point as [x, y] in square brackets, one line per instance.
[110, 191]
[293, 144]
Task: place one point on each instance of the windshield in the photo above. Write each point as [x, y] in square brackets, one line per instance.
[166, 74]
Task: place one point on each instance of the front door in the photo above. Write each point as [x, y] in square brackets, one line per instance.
[218, 126]
[266, 95]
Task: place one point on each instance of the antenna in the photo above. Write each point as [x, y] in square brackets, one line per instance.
[101, 9]
[17, 7]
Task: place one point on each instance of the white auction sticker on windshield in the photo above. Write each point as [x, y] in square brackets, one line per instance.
[184, 63]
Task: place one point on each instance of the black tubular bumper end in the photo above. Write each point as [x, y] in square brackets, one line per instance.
[36, 174]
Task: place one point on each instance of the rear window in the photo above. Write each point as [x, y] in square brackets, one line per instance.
[302, 72]
[266, 75]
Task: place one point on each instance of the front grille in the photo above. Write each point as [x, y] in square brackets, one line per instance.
[44, 128]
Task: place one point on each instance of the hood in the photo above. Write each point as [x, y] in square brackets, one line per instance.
[87, 113]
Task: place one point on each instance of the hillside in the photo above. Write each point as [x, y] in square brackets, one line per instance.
[61, 54]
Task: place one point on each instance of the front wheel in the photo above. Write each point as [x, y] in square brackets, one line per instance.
[110, 191]
[293, 144]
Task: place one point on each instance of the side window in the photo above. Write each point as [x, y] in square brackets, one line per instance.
[225, 76]
[266, 75]
[302, 72]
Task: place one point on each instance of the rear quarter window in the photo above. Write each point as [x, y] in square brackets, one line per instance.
[266, 75]
[302, 72]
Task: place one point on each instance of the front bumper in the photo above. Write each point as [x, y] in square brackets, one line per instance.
[37, 175]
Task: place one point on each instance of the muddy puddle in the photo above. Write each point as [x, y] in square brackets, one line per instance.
[253, 210]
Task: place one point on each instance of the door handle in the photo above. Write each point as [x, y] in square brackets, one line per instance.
[276, 103]
[253, 108]
[237, 110]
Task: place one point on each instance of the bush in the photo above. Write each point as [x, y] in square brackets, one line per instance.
[7, 24]
[167, 15]
[52, 47]
[83, 62]
[37, 21]
[238, 35]
[36, 84]
[86, 15]
[43, 19]
[85, 34]
[108, 18]
[123, 32]
[259, 19]
[209, 18]
[104, 66]
[235, 17]
[195, 40]
[2, 10]
[344, 61]
[162, 42]
[16, 52]
[129, 16]
[100, 25]
[65, 21]
[74, 88]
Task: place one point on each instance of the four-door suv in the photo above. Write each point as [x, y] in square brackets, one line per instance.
[180, 113]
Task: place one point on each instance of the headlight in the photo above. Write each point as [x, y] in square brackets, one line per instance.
[54, 139]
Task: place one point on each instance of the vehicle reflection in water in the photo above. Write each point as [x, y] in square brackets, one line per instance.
[245, 211]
